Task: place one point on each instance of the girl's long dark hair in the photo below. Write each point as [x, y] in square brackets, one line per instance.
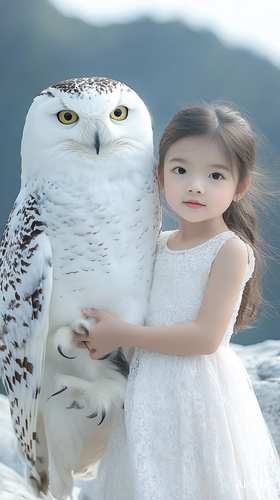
[235, 136]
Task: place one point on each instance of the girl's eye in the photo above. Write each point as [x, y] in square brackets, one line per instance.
[216, 176]
[179, 170]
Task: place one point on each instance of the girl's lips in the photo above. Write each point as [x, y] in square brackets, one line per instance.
[193, 204]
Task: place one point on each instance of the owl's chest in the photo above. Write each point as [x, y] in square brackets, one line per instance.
[93, 247]
[94, 235]
[103, 245]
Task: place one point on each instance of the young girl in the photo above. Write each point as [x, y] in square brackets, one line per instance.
[191, 428]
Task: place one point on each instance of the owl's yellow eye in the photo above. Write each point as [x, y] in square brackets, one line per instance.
[119, 113]
[67, 117]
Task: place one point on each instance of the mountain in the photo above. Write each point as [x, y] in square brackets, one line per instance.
[168, 64]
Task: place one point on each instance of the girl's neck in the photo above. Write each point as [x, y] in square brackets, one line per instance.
[191, 235]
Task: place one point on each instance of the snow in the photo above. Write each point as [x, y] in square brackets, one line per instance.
[262, 362]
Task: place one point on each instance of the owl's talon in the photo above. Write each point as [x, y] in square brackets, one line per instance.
[64, 355]
[93, 415]
[58, 392]
[74, 405]
[103, 416]
[84, 328]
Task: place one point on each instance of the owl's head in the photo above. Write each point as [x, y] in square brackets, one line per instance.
[84, 122]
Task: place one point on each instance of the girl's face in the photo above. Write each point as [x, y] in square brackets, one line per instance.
[199, 182]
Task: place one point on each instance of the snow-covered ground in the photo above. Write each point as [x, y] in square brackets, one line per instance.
[262, 362]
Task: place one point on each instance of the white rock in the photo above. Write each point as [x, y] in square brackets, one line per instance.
[262, 361]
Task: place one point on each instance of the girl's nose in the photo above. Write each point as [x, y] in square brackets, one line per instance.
[195, 187]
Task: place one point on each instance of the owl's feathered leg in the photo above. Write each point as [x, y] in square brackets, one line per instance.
[96, 396]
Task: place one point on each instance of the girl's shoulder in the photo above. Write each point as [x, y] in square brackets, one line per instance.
[211, 247]
[229, 235]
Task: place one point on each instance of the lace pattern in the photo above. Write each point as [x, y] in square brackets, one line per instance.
[190, 423]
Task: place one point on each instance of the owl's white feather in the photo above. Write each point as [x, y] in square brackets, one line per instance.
[82, 233]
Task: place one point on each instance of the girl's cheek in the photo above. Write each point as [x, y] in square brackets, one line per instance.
[170, 194]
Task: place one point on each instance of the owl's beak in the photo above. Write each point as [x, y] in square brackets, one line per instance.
[97, 142]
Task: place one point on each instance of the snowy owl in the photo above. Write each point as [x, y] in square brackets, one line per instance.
[82, 233]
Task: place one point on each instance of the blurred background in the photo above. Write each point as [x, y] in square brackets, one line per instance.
[172, 54]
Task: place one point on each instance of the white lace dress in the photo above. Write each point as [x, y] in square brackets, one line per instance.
[192, 428]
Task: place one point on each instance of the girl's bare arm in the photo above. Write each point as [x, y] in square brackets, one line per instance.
[200, 337]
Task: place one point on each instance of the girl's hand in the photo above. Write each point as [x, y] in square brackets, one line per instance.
[104, 336]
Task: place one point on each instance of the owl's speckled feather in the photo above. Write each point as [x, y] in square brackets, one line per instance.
[82, 233]
[81, 85]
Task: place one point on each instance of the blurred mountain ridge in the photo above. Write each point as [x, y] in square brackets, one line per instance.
[168, 64]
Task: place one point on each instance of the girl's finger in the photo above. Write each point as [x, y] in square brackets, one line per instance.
[91, 312]
[79, 338]
[92, 354]
[81, 345]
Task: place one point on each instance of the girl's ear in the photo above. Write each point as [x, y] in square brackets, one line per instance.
[241, 189]
[160, 176]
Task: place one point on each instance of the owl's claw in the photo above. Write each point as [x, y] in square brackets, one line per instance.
[62, 353]
[103, 416]
[58, 392]
[93, 415]
[84, 328]
[98, 394]
[75, 405]
[86, 346]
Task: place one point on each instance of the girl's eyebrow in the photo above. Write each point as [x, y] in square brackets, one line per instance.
[181, 160]
[214, 165]
[219, 166]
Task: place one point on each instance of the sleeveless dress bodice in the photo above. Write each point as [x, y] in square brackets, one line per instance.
[186, 272]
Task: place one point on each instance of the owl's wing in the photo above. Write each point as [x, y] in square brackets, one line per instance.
[25, 288]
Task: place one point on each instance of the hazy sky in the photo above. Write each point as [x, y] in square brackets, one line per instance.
[254, 24]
